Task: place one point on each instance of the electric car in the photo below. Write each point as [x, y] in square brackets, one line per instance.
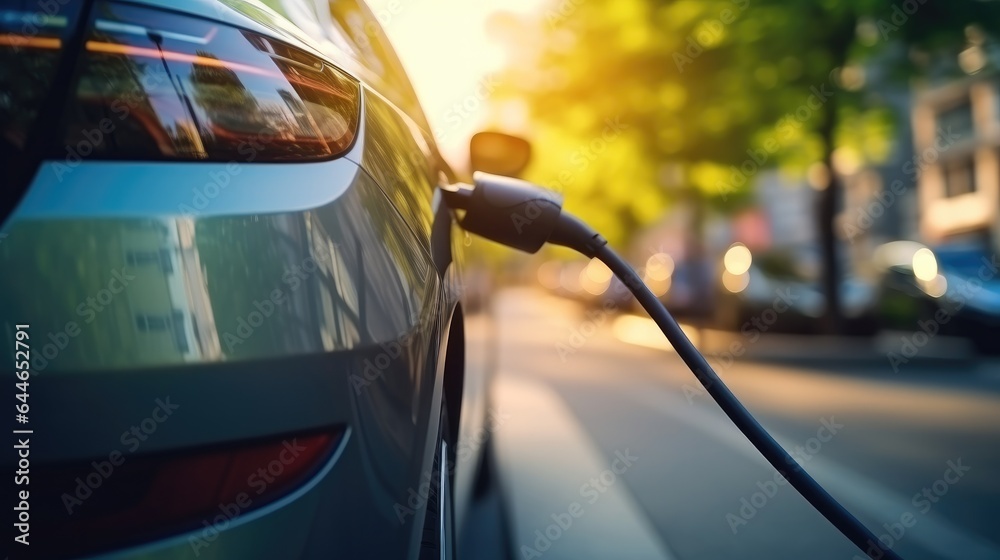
[235, 292]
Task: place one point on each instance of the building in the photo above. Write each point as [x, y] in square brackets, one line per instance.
[957, 142]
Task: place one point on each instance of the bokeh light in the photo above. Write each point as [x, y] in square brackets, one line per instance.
[737, 259]
[925, 266]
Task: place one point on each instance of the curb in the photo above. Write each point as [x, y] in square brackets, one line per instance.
[825, 350]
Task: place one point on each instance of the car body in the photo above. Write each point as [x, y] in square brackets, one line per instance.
[952, 289]
[773, 282]
[242, 299]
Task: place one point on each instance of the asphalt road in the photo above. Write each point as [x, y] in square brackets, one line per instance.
[611, 449]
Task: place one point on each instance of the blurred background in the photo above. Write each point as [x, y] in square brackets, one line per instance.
[812, 188]
[738, 147]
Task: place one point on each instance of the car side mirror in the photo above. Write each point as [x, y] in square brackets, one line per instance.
[499, 153]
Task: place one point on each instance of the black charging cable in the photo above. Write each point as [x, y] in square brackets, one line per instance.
[524, 216]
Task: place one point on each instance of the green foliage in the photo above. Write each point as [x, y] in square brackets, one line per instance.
[701, 85]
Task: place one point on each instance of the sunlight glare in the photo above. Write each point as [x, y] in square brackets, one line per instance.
[451, 61]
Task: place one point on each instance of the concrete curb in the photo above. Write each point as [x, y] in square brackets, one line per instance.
[880, 349]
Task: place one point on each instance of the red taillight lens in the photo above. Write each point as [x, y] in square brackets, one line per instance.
[157, 85]
[106, 505]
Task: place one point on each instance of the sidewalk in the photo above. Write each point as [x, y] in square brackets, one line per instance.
[885, 348]
[889, 350]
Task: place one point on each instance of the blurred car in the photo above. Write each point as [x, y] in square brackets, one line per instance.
[769, 292]
[953, 290]
[244, 318]
[592, 283]
[589, 283]
[683, 285]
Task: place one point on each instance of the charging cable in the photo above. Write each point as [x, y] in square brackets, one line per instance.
[525, 216]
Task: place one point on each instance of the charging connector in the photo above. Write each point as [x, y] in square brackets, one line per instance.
[524, 216]
[519, 214]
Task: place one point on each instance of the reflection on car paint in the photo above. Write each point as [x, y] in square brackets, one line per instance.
[218, 287]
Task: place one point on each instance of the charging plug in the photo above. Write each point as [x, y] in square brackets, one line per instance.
[518, 214]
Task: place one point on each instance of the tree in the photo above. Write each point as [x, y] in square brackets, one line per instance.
[721, 88]
[844, 37]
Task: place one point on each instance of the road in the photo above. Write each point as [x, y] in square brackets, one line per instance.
[611, 449]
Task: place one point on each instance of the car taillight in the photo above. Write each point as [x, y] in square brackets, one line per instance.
[156, 85]
[118, 500]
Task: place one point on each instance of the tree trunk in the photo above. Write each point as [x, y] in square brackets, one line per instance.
[840, 35]
[825, 215]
